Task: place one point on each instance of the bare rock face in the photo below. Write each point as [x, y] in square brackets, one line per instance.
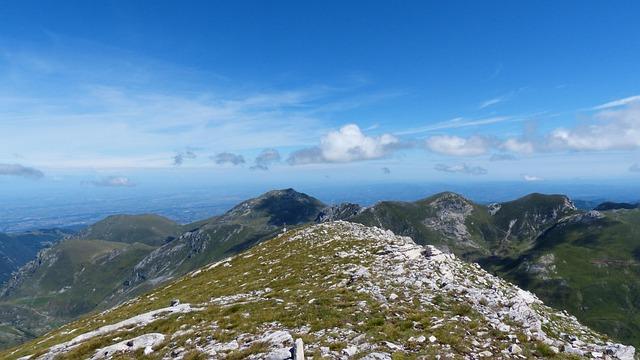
[342, 211]
[451, 213]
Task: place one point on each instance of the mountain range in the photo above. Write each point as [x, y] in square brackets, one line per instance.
[584, 262]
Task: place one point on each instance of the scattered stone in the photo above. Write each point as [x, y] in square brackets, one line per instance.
[146, 342]
[514, 349]
[377, 356]
[350, 350]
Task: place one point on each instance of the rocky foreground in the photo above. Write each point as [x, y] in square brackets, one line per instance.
[335, 290]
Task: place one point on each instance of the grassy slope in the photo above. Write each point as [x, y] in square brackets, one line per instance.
[240, 228]
[146, 229]
[80, 276]
[303, 293]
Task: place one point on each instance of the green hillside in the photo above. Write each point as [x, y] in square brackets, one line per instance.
[147, 229]
[19, 248]
[238, 229]
[589, 265]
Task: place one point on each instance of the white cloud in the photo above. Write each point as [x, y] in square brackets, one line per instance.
[526, 177]
[458, 146]
[491, 102]
[461, 168]
[347, 144]
[113, 181]
[612, 130]
[619, 102]
[456, 123]
[518, 146]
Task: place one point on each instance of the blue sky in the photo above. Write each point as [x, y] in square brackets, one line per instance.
[122, 94]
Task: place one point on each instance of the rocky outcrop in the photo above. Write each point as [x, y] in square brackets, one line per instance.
[451, 211]
[342, 211]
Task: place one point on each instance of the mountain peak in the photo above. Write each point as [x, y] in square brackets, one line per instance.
[285, 206]
[445, 196]
[347, 290]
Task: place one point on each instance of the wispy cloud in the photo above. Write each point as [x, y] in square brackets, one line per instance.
[20, 171]
[458, 146]
[610, 129]
[635, 167]
[619, 102]
[95, 113]
[491, 102]
[462, 169]
[113, 181]
[457, 123]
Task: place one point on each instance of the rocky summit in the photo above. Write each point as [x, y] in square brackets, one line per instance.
[335, 290]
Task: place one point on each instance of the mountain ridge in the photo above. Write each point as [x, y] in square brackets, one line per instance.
[526, 252]
[371, 295]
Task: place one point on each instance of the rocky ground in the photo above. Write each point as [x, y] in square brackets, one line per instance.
[336, 290]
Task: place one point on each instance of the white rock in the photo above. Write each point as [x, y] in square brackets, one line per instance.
[621, 352]
[298, 350]
[146, 341]
[350, 350]
[279, 354]
[514, 349]
[393, 346]
[377, 356]
[278, 337]
[432, 339]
